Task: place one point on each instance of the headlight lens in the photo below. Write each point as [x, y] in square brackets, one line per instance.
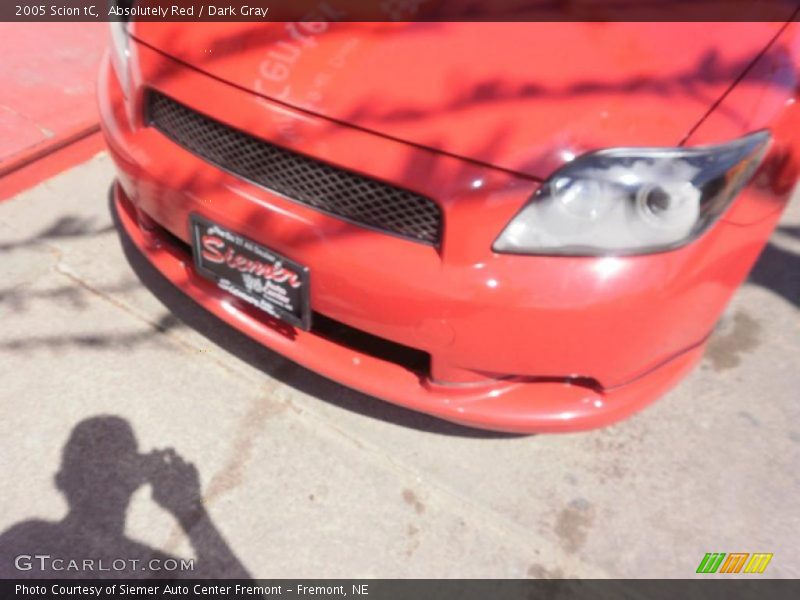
[632, 200]
[120, 53]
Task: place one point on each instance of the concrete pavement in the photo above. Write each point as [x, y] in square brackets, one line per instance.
[48, 110]
[304, 478]
[48, 73]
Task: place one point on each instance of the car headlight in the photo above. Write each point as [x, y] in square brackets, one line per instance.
[120, 48]
[632, 200]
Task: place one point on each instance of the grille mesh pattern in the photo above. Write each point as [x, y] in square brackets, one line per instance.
[330, 189]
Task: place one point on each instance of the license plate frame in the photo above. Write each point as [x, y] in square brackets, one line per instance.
[251, 272]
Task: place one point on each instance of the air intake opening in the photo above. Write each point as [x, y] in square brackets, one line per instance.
[371, 345]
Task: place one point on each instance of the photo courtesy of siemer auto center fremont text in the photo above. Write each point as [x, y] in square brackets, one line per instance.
[398, 299]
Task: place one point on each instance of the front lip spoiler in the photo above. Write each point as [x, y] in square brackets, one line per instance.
[514, 405]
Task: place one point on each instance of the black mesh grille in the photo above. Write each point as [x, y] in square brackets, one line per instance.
[327, 188]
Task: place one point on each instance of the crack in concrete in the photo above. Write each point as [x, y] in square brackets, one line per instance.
[45, 131]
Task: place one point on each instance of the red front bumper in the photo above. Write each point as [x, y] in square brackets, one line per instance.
[512, 339]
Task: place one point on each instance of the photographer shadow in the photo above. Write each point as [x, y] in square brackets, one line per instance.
[101, 468]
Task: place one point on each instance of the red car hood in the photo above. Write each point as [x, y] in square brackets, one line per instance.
[521, 96]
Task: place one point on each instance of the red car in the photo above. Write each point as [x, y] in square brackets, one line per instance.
[514, 226]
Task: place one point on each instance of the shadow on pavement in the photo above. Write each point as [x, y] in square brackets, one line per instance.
[778, 269]
[101, 468]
